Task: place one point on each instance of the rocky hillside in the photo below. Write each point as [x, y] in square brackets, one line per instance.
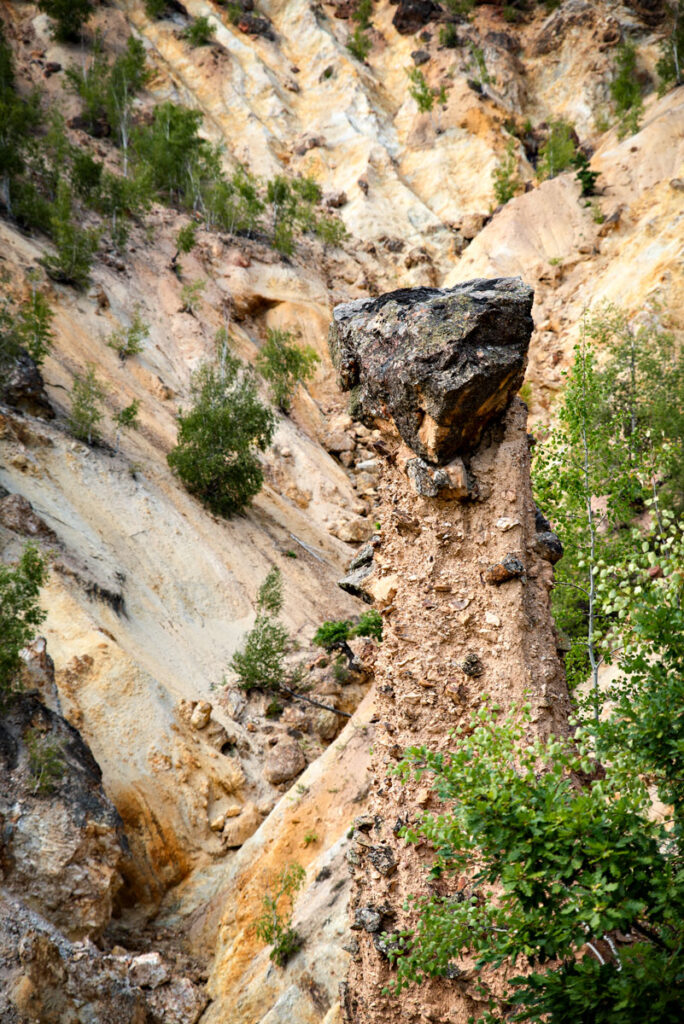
[148, 593]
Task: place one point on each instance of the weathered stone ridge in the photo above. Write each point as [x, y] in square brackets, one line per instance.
[440, 363]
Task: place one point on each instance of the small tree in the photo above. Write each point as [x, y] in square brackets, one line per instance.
[130, 341]
[34, 327]
[671, 62]
[505, 175]
[20, 613]
[75, 246]
[359, 44]
[219, 438]
[200, 31]
[260, 663]
[626, 90]
[285, 365]
[87, 396]
[274, 925]
[126, 419]
[69, 16]
[558, 151]
[420, 91]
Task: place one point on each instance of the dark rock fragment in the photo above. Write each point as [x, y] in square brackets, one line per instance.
[383, 860]
[510, 568]
[24, 389]
[352, 582]
[472, 666]
[548, 546]
[411, 15]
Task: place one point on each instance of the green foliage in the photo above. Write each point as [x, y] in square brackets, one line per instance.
[274, 925]
[332, 634]
[359, 44]
[186, 239]
[558, 152]
[669, 66]
[219, 438]
[200, 31]
[69, 16]
[75, 246]
[362, 13]
[585, 176]
[626, 90]
[459, 7]
[27, 327]
[292, 203]
[46, 761]
[127, 419]
[19, 118]
[87, 396]
[551, 871]
[448, 36]
[191, 293]
[330, 230]
[260, 663]
[285, 365]
[369, 624]
[420, 91]
[310, 838]
[130, 341]
[20, 613]
[155, 8]
[181, 163]
[478, 65]
[505, 175]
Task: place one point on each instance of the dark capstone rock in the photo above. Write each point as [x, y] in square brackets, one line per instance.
[541, 523]
[442, 363]
[420, 57]
[352, 582]
[383, 860]
[472, 666]
[548, 545]
[411, 15]
[367, 918]
[24, 389]
[510, 568]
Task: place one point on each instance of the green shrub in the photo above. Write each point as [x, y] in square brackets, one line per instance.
[585, 176]
[69, 16]
[126, 419]
[130, 341]
[626, 90]
[505, 175]
[362, 13]
[20, 613]
[87, 396]
[182, 164]
[461, 8]
[478, 65]
[285, 365]
[359, 44]
[28, 327]
[260, 663]
[155, 8]
[671, 62]
[46, 761]
[274, 925]
[219, 438]
[191, 293]
[19, 118]
[330, 230]
[333, 634]
[75, 246]
[369, 624]
[420, 91]
[448, 36]
[200, 31]
[558, 151]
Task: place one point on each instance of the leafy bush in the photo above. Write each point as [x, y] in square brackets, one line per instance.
[585, 176]
[75, 246]
[27, 327]
[126, 419]
[626, 90]
[69, 16]
[420, 91]
[669, 66]
[130, 341]
[46, 761]
[359, 44]
[200, 31]
[87, 396]
[369, 624]
[191, 294]
[219, 438]
[558, 151]
[19, 117]
[448, 36]
[260, 663]
[181, 162]
[285, 365]
[333, 633]
[20, 613]
[505, 175]
[274, 925]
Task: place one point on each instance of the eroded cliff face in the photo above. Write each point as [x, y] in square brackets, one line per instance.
[463, 588]
[149, 595]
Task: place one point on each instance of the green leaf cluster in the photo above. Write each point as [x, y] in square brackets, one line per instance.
[200, 31]
[285, 365]
[505, 175]
[20, 613]
[626, 90]
[260, 662]
[558, 152]
[220, 437]
[274, 924]
[87, 396]
[671, 61]
[130, 341]
[334, 633]
[26, 326]
[69, 16]
[46, 761]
